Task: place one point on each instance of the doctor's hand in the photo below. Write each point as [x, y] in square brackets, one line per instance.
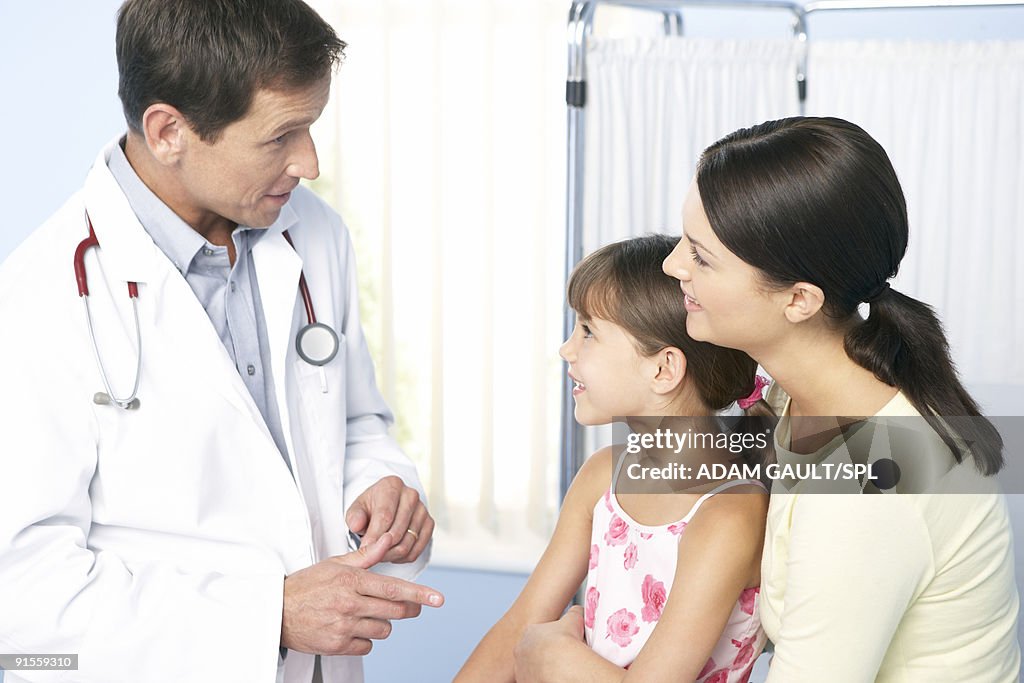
[336, 606]
[390, 505]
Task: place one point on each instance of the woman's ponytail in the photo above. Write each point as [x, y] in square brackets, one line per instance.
[903, 344]
[818, 200]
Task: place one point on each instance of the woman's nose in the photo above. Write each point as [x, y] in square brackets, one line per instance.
[676, 266]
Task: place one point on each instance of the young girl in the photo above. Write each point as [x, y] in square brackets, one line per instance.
[672, 580]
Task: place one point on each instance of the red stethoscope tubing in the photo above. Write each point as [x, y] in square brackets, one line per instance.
[307, 300]
[80, 276]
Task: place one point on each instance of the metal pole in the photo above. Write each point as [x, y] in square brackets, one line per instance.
[800, 33]
[673, 22]
[581, 16]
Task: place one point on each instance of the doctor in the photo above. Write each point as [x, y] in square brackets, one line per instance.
[202, 529]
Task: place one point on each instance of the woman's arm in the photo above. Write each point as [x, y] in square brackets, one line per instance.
[719, 556]
[556, 579]
[855, 564]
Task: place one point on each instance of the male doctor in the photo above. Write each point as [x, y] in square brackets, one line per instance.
[204, 530]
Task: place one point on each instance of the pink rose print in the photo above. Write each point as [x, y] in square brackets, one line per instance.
[608, 500]
[630, 556]
[622, 627]
[594, 552]
[593, 595]
[708, 668]
[720, 676]
[617, 531]
[677, 528]
[646, 536]
[747, 599]
[654, 596]
[746, 653]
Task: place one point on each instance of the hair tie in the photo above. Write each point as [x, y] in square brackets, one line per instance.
[878, 293]
[759, 384]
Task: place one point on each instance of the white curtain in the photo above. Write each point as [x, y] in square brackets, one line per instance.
[951, 117]
[443, 147]
[654, 105]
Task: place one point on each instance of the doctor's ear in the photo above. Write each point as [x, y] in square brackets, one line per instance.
[671, 368]
[166, 132]
[804, 301]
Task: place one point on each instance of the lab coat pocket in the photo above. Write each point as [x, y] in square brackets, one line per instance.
[320, 446]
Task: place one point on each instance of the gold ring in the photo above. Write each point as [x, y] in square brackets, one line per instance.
[414, 534]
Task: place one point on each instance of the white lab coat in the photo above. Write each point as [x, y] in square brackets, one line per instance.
[154, 543]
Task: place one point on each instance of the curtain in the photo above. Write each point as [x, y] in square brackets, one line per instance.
[443, 148]
[654, 105]
[950, 116]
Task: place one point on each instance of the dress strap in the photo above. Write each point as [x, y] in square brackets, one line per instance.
[718, 489]
[618, 468]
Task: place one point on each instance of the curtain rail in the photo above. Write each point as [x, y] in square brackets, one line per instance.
[581, 21]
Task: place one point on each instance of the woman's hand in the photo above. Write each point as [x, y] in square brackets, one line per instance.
[543, 647]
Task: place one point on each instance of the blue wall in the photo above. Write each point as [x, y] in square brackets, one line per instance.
[431, 649]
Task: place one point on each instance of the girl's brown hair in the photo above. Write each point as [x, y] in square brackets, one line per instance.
[624, 284]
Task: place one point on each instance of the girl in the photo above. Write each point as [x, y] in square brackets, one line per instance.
[671, 579]
[788, 228]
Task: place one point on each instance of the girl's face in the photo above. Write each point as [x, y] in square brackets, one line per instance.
[611, 376]
[725, 301]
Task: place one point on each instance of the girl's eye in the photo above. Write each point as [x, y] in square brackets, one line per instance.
[696, 257]
[586, 331]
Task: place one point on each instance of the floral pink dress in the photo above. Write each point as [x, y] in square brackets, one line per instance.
[631, 571]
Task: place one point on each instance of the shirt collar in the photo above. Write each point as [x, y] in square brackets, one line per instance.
[175, 238]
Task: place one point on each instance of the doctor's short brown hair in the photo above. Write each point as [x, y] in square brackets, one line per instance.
[207, 58]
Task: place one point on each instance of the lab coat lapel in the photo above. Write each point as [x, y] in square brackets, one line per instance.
[129, 254]
[278, 267]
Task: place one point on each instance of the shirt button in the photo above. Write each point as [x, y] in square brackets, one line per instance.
[232, 285]
[251, 369]
[207, 251]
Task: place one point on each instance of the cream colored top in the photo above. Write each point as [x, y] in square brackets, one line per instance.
[894, 587]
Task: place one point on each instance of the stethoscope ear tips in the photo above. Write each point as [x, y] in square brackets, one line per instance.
[317, 344]
[102, 399]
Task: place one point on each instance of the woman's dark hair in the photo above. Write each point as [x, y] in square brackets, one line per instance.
[208, 58]
[817, 200]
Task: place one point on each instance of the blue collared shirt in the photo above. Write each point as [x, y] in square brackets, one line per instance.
[229, 294]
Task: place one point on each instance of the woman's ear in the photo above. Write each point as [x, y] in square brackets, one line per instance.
[805, 300]
[671, 369]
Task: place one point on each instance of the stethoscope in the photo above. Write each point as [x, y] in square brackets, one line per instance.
[316, 343]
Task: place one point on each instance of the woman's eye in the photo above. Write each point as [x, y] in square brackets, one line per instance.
[696, 257]
[586, 330]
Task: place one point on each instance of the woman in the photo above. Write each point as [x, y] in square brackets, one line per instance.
[788, 228]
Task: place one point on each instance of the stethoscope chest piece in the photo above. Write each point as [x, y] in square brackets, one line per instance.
[317, 344]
